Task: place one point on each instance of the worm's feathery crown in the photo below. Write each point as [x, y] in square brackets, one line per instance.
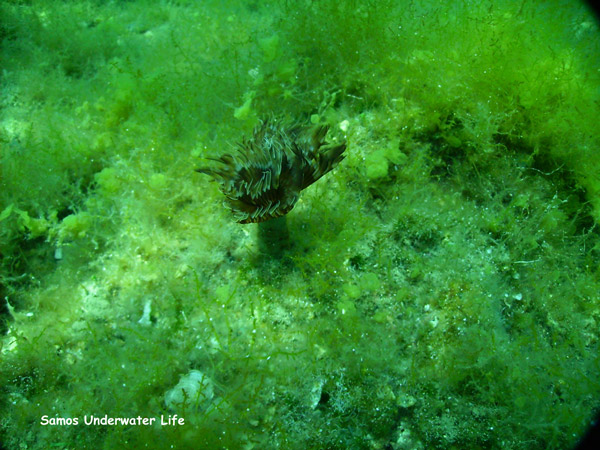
[264, 178]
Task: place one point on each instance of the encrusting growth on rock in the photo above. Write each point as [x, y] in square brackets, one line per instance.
[264, 178]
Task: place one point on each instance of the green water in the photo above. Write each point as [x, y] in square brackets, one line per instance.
[439, 289]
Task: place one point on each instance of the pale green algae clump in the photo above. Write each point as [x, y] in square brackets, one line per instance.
[441, 286]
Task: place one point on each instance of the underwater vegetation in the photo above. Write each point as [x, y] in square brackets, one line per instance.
[438, 290]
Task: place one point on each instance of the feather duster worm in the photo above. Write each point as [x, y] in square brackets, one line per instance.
[264, 178]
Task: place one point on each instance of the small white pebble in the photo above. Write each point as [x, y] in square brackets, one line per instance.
[145, 319]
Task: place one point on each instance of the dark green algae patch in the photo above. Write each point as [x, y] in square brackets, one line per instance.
[437, 290]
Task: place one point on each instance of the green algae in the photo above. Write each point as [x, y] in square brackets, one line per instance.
[439, 289]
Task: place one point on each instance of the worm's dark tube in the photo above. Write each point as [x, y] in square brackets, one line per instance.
[273, 237]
